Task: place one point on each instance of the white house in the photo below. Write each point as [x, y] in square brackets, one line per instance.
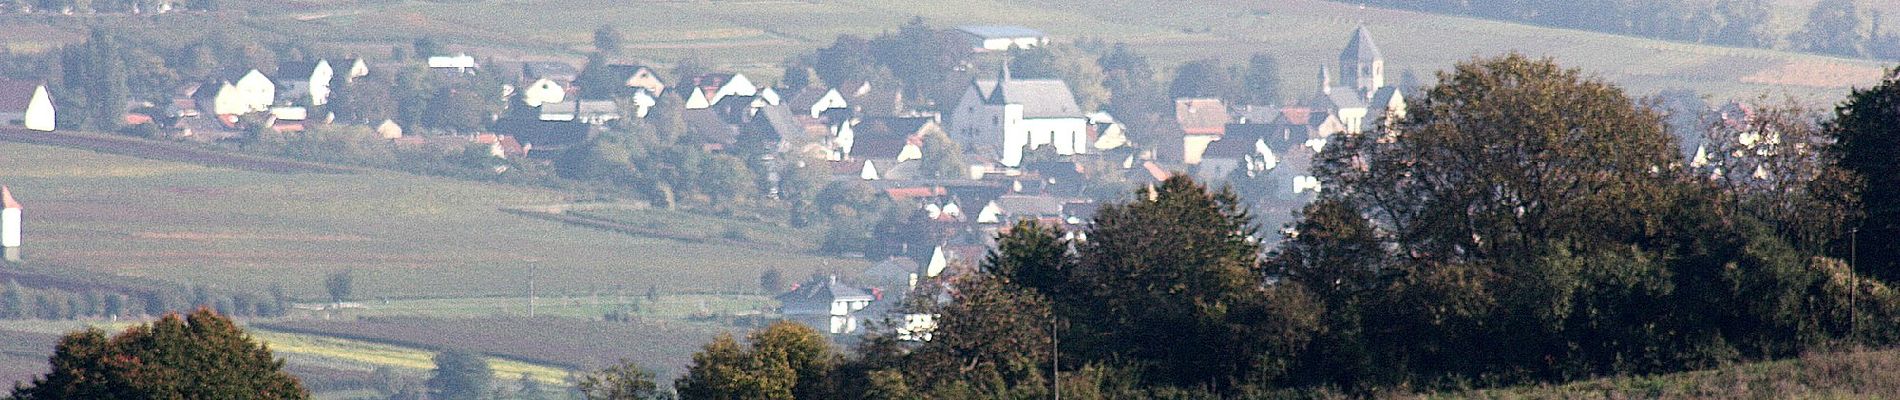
[1006, 117]
[542, 91]
[460, 62]
[26, 104]
[308, 78]
[999, 38]
[251, 93]
[826, 305]
[9, 219]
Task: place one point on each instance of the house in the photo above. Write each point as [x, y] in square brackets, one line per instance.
[542, 91]
[826, 304]
[252, 92]
[1202, 121]
[9, 219]
[709, 89]
[1007, 117]
[459, 63]
[1000, 38]
[887, 138]
[544, 136]
[638, 76]
[708, 129]
[550, 70]
[306, 79]
[388, 130]
[815, 100]
[643, 102]
[26, 104]
[587, 111]
[356, 68]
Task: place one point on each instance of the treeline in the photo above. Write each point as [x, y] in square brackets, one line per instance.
[1522, 224]
[20, 302]
[1835, 27]
[103, 6]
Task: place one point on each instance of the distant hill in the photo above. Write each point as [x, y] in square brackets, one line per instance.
[753, 36]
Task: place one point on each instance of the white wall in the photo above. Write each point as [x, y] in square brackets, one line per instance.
[10, 227]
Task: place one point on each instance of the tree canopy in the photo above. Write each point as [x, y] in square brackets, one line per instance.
[201, 355]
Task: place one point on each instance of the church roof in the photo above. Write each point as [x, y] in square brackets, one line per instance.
[1361, 47]
[6, 199]
[1041, 98]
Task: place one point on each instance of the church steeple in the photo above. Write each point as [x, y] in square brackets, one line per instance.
[1361, 65]
[1325, 80]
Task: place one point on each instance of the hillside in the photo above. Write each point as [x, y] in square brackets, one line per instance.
[403, 235]
[1838, 375]
[753, 36]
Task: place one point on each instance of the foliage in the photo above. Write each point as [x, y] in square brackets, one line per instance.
[783, 361]
[1833, 27]
[1204, 78]
[460, 375]
[624, 381]
[338, 285]
[943, 158]
[609, 40]
[1864, 140]
[203, 355]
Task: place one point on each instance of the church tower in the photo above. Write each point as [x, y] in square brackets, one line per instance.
[1361, 66]
[9, 219]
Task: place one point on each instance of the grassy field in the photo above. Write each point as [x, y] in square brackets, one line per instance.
[571, 305]
[753, 35]
[1859, 374]
[404, 236]
[663, 346]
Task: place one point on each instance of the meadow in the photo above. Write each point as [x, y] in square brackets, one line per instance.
[1845, 374]
[755, 36]
[403, 236]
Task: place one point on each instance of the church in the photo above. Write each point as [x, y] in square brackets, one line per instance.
[1360, 98]
[1006, 117]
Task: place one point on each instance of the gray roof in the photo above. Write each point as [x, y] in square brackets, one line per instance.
[1020, 205]
[549, 69]
[999, 31]
[1384, 96]
[823, 291]
[1361, 47]
[1345, 97]
[1041, 98]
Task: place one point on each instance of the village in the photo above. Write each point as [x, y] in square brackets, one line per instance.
[1022, 148]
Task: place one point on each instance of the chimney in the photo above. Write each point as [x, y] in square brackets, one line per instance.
[1325, 81]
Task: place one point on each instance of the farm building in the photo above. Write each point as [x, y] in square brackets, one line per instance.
[999, 38]
[826, 304]
[27, 104]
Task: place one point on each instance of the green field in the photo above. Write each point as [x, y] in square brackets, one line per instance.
[1852, 374]
[753, 36]
[404, 236]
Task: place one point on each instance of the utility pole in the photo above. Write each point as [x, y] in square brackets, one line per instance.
[1853, 264]
[1055, 357]
[531, 288]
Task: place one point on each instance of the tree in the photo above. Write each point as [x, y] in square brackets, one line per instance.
[1744, 23]
[1203, 78]
[13, 301]
[1261, 83]
[785, 360]
[1135, 99]
[457, 109]
[726, 180]
[426, 47]
[943, 158]
[338, 284]
[609, 40]
[918, 55]
[203, 355]
[596, 81]
[772, 281]
[1833, 27]
[459, 375]
[796, 77]
[623, 381]
[848, 59]
[1864, 140]
[1063, 61]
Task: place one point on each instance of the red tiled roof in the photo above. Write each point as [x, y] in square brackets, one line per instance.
[906, 193]
[6, 199]
[136, 118]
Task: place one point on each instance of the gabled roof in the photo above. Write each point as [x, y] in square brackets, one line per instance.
[296, 70]
[999, 31]
[823, 290]
[544, 133]
[1201, 116]
[705, 126]
[16, 95]
[1360, 47]
[6, 199]
[775, 122]
[1343, 98]
[1041, 98]
[548, 69]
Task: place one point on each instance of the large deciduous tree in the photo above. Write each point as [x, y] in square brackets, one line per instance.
[203, 355]
[1865, 139]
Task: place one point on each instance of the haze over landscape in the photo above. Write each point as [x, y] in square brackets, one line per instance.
[881, 199]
